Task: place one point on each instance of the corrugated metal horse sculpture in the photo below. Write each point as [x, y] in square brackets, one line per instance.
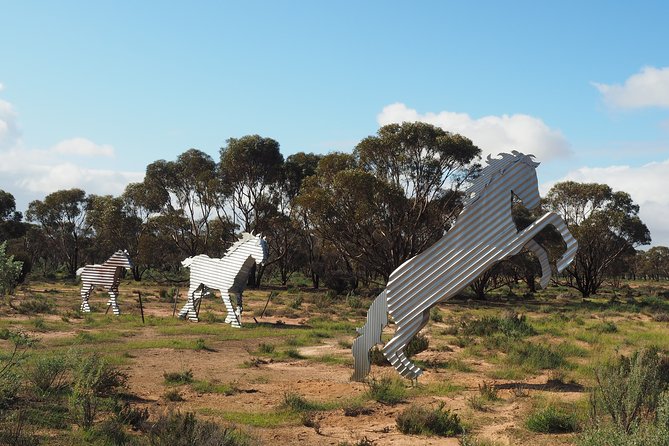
[107, 275]
[228, 274]
[483, 235]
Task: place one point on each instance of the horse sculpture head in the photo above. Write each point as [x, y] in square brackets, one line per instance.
[121, 258]
[259, 250]
[515, 169]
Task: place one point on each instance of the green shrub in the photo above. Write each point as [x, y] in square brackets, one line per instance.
[607, 434]
[417, 344]
[297, 403]
[535, 356]
[134, 417]
[10, 271]
[173, 395]
[176, 429]
[296, 302]
[294, 353]
[606, 327]
[210, 387]
[629, 388]
[386, 390]
[435, 315]
[49, 374]
[354, 302]
[419, 420]
[35, 306]
[511, 324]
[376, 357]
[15, 430]
[94, 382]
[266, 348]
[488, 391]
[200, 345]
[551, 420]
[184, 377]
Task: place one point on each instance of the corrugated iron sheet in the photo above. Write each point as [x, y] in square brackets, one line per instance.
[483, 235]
[228, 275]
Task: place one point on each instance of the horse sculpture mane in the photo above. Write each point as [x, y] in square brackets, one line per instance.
[494, 168]
[483, 234]
[245, 237]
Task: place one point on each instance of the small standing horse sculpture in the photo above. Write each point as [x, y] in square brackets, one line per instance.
[107, 275]
[228, 275]
[483, 235]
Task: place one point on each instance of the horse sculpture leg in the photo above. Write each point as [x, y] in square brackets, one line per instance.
[189, 310]
[394, 349]
[113, 294]
[85, 294]
[233, 318]
[370, 334]
[541, 254]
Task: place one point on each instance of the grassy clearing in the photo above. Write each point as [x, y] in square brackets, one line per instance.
[255, 419]
[507, 338]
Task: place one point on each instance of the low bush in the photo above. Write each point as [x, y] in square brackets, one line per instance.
[49, 374]
[435, 315]
[177, 429]
[173, 395]
[417, 344]
[386, 390]
[535, 356]
[94, 383]
[297, 403]
[607, 434]
[511, 324]
[35, 306]
[184, 377]
[629, 389]
[419, 420]
[551, 420]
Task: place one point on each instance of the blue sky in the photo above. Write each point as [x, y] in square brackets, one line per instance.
[91, 92]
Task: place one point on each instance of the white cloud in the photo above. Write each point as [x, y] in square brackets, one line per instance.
[648, 88]
[31, 174]
[83, 147]
[492, 134]
[648, 185]
[9, 129]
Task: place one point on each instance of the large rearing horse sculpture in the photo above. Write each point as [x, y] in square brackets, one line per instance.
[107, 275]
[483, 235]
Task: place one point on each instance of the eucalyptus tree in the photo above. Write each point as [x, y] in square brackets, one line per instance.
[10, 219]
[250, 168]
[114, 226]
[606, 225]
[185, 192]
[291, 246]
[62, 217]
[393, 197]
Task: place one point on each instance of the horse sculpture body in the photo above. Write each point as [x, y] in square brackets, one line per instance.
[107, 275]
[483, 235]
[228, 275]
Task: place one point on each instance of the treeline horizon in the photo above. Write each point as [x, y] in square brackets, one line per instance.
[344, 220]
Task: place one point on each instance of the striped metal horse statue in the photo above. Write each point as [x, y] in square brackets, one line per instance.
[228, 275]
[107, 275]
[483, 235]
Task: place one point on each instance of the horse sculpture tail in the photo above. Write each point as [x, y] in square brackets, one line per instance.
[377, 318]
[80, 270]
[188, 262]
